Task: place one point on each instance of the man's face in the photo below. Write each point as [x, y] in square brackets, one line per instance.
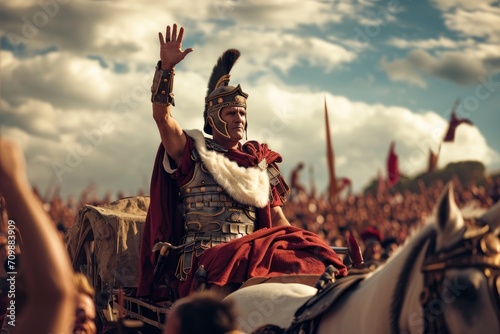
[373, 250]
[236, 118]
[85, 315]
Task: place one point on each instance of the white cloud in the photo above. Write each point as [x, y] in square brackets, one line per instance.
[454, 66]
[282, 13]
[65, 81]
[472, 18]
[461, 60]
[478, 23]
[466, 4]
[275, 50]
[403, 70]
[432, 43]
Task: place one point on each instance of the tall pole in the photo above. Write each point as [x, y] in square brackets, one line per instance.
[332, 188]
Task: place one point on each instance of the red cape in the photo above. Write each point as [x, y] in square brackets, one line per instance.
[267, 252]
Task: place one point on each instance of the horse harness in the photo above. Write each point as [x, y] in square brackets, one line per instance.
[307, 317]
[480, 248]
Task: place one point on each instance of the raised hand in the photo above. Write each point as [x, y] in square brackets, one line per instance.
[171, 47]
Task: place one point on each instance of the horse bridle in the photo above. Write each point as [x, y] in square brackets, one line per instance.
[480, 248]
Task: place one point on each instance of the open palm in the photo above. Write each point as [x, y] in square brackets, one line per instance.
[171, 47]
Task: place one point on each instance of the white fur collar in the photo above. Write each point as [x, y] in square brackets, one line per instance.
[246, 185]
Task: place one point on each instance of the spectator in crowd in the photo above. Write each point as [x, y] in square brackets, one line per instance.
[296, 187]
[372, 240]
[389, 246]
[85, 308]
[202, 312]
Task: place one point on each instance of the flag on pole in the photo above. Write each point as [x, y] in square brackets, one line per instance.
[454, 123]
[332, 188]
[433, 159]
[343, 183]
[392, 166]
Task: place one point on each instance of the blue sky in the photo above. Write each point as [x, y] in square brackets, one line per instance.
[75, 78]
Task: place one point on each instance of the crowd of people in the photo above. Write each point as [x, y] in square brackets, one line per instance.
[394, 214]
[388, 217]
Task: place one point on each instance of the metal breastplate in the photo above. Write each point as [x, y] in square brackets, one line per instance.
[210, 215]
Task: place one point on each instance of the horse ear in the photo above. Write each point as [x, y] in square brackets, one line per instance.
[449, 218]
[492, 217]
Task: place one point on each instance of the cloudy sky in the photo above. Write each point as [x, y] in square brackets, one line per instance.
[75, 78]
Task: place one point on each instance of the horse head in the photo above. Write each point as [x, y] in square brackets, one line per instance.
[461, 273]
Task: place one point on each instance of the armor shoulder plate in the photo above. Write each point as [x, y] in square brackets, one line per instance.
[274, 175]
[276, 180]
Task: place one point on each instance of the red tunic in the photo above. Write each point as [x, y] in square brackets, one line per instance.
[266, 252]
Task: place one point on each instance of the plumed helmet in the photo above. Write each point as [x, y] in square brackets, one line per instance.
[220, 94]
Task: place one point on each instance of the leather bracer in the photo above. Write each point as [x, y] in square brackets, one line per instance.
[162, 87]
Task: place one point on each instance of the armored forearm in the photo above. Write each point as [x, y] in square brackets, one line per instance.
[162, 87]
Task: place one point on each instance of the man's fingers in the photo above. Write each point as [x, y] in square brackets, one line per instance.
[181, 34]
[171, 36]
[167, 37]
[174, 33]
[185, 52]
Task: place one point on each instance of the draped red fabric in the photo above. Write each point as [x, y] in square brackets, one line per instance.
[267, 252]
[452, 126]
[164, 221]
[160, 225]
[392, 166]
[254, 153]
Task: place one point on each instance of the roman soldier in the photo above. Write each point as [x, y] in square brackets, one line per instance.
[215, 202]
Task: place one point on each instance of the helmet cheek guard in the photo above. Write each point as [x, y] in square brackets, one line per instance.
[219, 125]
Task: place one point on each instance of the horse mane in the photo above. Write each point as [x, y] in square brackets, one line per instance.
[404, 275]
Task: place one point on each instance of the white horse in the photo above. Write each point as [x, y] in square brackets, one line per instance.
[445, 279]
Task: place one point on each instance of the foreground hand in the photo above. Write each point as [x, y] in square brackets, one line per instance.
[171, 47]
